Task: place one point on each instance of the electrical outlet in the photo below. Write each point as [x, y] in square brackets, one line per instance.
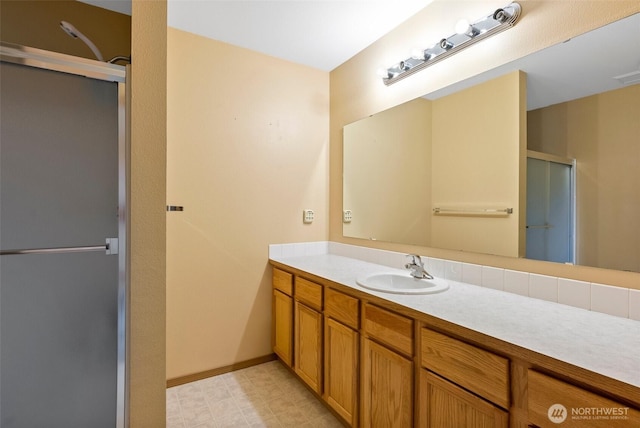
[307, 216]
[347, 216]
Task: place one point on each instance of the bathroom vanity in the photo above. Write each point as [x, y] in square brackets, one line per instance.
[465, 357]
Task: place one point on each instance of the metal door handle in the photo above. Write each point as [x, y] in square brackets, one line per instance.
[110, 247]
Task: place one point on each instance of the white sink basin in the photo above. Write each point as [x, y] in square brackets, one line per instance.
[402, 283]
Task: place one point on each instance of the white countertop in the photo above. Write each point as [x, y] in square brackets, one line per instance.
[594, 341]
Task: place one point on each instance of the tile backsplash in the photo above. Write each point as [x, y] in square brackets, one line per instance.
[617, 301]
[299, 249]
[574, 293]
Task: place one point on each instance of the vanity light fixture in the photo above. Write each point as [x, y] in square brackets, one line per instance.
[466, 35]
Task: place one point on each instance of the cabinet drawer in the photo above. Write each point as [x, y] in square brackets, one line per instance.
[283, 281]
[475, 369]
[576, 406]
[390, 328]
[309, 293]
[342, 308]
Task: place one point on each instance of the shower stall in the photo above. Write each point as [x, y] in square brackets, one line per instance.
[63, 252]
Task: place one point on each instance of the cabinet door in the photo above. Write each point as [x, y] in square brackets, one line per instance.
[387, 387]
[445, 405]
[552, 402]
[341, 369]
[283, 326]
[308, 345]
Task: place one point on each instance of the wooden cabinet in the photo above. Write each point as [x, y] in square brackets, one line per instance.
[342, 354]
[282, 281]
[308, 333]
[343, 308]
[481, 372]
[387, 370]
[283, 326]
[309, 293]
[361, 357]
[395, 331]
[341, 369]
[464, 386]
[282, 308]
[553, 402]
[445, 405]
[387, 387]
[308, 345]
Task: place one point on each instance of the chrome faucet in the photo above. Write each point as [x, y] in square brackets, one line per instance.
[417, 267]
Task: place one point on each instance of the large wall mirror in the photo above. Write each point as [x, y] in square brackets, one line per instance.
[539, 158]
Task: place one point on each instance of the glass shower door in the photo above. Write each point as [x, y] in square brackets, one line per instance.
[58, 283]
[549, 211]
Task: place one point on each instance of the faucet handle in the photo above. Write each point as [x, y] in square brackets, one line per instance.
[416, 260]
[417, 267]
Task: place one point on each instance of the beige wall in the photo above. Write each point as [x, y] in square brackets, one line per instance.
[476, 164]
[601, 133]
[387, 182]
[148, 85]
[356, 92]
[247, 152]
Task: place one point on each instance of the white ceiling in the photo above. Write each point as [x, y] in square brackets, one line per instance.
[319, 33]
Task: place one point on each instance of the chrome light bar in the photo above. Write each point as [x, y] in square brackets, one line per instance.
[465, 36]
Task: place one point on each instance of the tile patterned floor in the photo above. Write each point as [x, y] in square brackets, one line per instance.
[266, 395]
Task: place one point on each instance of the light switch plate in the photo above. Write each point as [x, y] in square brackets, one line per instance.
[307, 216]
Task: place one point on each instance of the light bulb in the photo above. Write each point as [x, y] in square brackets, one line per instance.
[463, 26]
[420, 54]
[417, 53]
[383, 72]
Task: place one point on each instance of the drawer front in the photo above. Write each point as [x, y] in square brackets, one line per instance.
[552, 400]
[475, 369]
[342, 308]
[309, 293]
[283, 281]
[390, 328]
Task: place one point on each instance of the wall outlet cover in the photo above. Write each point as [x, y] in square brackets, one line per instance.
[307, 216]
[347, 216]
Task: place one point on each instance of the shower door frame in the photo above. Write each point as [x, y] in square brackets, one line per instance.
[572, 165]
[93, 69]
